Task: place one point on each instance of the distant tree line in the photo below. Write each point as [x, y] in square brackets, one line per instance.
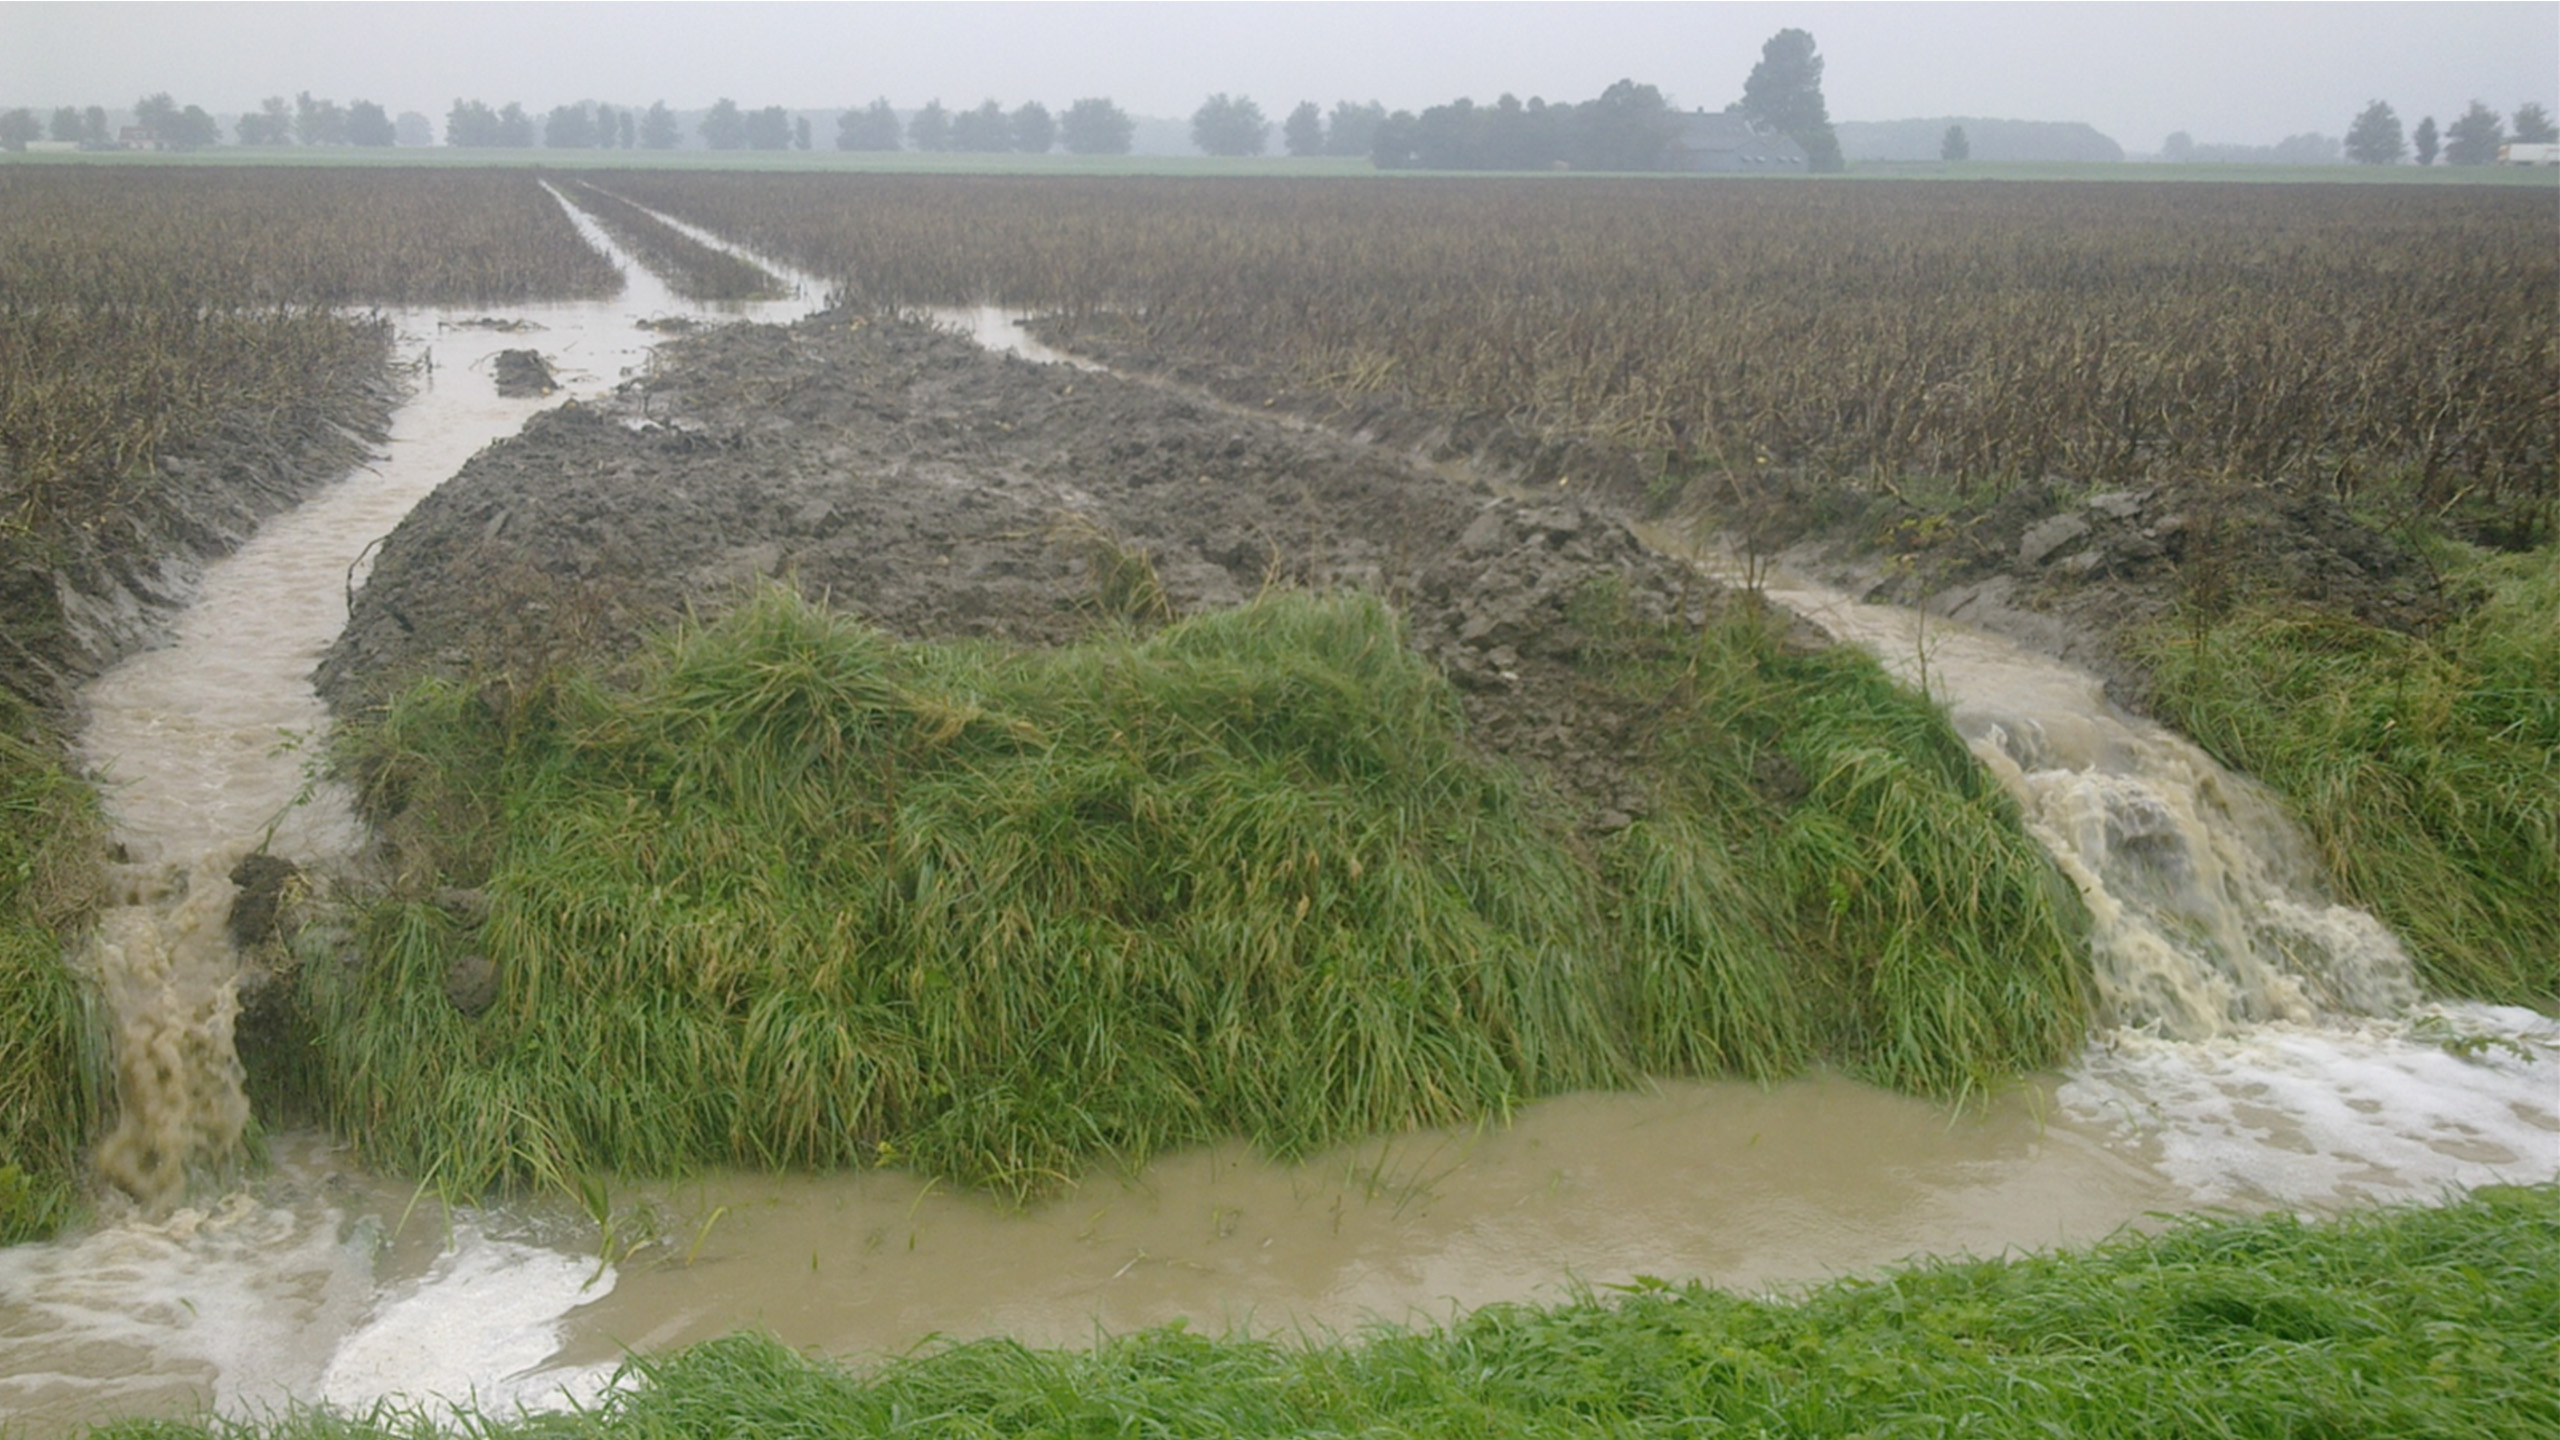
[2309, 148]
[1629, 126]
[312, 121]
[1093, 126]
[2474, 137]
[158, 119]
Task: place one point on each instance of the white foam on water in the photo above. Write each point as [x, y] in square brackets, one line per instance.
[233, 1305]
[473, 1333]
[2287, 1113]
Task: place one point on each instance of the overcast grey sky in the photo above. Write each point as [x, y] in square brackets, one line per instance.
[2238, 73]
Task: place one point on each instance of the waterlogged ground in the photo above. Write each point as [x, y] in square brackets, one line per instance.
[944, 492]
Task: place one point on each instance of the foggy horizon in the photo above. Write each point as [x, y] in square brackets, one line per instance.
[2234, 74]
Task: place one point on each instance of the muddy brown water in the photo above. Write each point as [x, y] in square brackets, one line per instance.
[2306, 1082]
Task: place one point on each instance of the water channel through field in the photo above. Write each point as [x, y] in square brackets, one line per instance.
[2267, 1049]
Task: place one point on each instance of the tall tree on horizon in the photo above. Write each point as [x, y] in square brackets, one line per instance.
[2475, 137]
[1785, 91]
[658, 128]
[1095, 126]
[1230, 125]
[874, 127]
[2374, 137]
[1302, 134]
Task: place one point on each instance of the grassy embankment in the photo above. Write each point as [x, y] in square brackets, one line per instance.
[791, 894]
[2426, 769]
[2410, 1323]
[2389, 346]
[152, 314]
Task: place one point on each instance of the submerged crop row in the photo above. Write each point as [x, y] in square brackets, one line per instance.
[2368, 339]
[693, 269]
[2409, 1323]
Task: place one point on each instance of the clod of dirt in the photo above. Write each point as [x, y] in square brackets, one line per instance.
[471, 984]
[2072, 575]
[522, 373]
[263, 882]
[502, 326]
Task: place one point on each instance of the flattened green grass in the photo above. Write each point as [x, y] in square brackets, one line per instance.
[2426, 770]
[791, 894]
[2407, 1323]
[52, 1044]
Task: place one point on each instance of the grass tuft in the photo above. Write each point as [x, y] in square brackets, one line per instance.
[2427, 771]
[1827, 872]
[53, 1043]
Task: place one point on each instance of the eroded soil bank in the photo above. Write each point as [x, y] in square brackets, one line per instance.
[79, 592]
[2066, 573]
[912, 479]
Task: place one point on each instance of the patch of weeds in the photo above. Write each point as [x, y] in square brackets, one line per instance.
[53, 1043]
[2426, 769]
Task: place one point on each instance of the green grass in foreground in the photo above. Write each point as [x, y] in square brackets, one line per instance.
[51, 1042]
[791, 894]
[2407, 1323]
[2426, 770]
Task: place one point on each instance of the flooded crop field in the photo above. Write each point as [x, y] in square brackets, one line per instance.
[895, 761]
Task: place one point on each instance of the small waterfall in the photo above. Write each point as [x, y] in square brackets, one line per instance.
[2208, 915]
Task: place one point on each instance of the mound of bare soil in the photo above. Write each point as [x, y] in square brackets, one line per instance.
[935, 490]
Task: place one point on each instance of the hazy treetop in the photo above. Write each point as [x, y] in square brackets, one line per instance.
[2246, 73]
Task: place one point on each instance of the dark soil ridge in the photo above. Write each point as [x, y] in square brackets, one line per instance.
[80, 592]
[2064, 570]
[911, 478]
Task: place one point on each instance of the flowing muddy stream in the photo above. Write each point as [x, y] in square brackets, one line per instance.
[2264, 1054]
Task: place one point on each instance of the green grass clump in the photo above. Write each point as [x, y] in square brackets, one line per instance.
[1828, 873]
[791, 894]
[797, 895]
[2426, 770]
[52, 1044]
[2408, 1322]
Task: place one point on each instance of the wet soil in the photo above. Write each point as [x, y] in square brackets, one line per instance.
[910, 478]
[2081, 574]
[2060, 568]
[107, 575]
